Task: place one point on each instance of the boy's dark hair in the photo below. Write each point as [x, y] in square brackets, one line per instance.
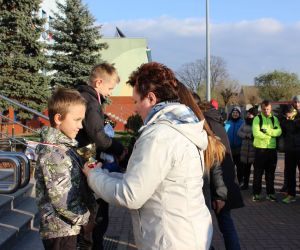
[266, 103]
[289, 108]
[61, 100]
[100, 70]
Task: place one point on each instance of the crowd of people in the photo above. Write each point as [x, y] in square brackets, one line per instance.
[185, 163]
[256, 141]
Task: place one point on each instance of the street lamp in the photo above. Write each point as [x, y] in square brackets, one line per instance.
[208, 97]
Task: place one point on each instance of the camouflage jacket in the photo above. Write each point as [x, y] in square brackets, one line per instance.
[62, 193]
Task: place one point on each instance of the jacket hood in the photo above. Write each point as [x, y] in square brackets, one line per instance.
[90, 90]
[52, 136]
[182, 119]
[214, 115]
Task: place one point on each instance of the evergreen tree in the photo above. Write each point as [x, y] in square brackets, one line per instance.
[76, 48]
[21, 55]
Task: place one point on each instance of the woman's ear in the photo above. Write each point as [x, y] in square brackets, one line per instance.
[152, 98]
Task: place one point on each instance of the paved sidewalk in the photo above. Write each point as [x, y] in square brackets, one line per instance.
[260, 225]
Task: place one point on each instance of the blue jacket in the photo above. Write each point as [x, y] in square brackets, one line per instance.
[232, 127]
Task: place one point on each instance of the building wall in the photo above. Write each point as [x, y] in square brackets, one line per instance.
[47, 10]
[121, 108]
[127, 54]
[49, 6]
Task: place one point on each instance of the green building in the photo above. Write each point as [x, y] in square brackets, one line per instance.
[126, 54]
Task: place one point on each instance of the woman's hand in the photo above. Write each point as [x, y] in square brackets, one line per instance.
[87, 168]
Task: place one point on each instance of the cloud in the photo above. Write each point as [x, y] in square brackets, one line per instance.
[249, 48]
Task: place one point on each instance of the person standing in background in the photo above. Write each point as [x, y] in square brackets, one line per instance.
[296, 105]
[265, 129]
[290, 130]
[234, 197]
[247, 149]
[232, 125]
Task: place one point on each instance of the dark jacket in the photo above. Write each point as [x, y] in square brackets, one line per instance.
[247, 149]
[291, 133]
[93, 125]
[234, 197]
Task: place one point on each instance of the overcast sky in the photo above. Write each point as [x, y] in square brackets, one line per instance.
[252, 36]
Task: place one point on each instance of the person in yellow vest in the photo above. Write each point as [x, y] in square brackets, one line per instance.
[265, 129]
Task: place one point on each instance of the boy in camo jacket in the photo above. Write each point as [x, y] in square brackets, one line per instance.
[62, 193]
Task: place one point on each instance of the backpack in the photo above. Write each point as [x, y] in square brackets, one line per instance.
[279, 139]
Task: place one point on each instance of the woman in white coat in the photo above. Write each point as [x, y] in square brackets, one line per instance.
[163, 182]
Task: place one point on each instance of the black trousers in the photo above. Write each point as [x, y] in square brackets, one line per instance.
[239, 167]
[285, 172]
[265, 162]
[61, 243]
[101, 222]
[292, 160]
[247, 172]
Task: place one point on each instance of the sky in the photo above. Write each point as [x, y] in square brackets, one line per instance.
[253, 37]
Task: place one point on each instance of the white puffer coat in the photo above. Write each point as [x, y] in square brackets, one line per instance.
[163, 184]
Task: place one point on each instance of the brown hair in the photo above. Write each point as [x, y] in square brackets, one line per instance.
[102, 69]
[61, 100]
[266, 103]
[215, 151]
[157, 78]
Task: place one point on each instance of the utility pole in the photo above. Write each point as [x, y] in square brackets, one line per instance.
[208, 96]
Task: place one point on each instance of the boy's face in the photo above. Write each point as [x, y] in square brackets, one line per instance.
[235, 114]
[105, 85]
[296, 105]
[72, 122]
[289, 115]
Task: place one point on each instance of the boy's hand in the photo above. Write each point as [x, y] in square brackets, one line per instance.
[87, 168]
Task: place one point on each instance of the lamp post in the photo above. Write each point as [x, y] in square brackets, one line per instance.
[208, 96]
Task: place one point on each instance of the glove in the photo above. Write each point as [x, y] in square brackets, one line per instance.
[263, 130]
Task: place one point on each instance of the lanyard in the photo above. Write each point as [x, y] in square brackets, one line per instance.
[99, 98]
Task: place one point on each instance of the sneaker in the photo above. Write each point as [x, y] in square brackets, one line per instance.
[271, 197]
[289, 199]
[256, 197]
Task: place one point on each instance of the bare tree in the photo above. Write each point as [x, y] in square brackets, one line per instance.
[228, 91]
[218, 71]
[253, 100]
[193, 74]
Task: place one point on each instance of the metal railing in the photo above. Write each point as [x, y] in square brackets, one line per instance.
[12, 139]
[10, 180]
[32, 111]
[15, 166]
